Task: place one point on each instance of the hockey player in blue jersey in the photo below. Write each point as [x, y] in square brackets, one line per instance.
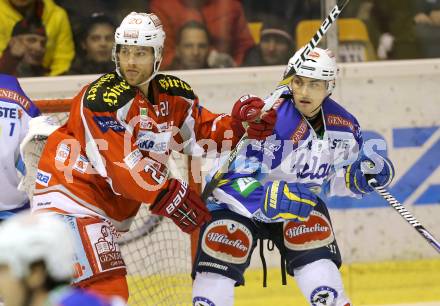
[16, 110]
[36, 264]
[271, 191]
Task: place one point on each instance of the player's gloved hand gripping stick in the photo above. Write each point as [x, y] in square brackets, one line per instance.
[270, 101]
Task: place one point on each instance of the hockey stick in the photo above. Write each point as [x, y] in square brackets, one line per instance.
[270, 101]
[405, 214]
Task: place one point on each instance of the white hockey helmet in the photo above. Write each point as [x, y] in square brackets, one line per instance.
[26, 238]
[320, 64]
[141, 29]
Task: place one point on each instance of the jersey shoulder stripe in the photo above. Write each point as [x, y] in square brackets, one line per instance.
[108, 93]
[174, 86]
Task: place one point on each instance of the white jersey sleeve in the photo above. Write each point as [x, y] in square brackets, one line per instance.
[16, 109]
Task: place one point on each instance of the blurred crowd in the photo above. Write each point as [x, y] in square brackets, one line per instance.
[59, 37]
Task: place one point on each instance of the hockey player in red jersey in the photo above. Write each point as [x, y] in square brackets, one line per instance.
[110, 157]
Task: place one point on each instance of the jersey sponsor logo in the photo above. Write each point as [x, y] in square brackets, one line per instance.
[143, 112]
[133, 158]
[111, 95]
[314, 233]
[202, 301]
[227, 240]
[9, 112]
[108, 93]
[81, 164]
[245, 186]
[106, 122]
[164, 126]
[105, 247]
[344, 144]
[92, 90]
[322, 172]
[174, 86]
[16, 97]
[336, 120]
[43, 178]
[156, 142]
[323, 296]
[146, 124]
[299, 132]
[173, 82]
[62, 153]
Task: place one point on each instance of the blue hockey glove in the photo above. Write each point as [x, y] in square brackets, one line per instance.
[290, 201]
[361, 171]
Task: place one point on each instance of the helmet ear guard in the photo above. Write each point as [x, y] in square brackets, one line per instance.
[140, 29]
[320, 64]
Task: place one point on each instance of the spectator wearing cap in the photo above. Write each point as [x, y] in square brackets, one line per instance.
[275, 47]
[24, 56]
[94, 43]
[59, 43]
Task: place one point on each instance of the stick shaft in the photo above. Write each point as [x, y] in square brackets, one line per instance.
[405, 214]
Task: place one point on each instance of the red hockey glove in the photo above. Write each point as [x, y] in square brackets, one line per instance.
[182, 205]
[248, 109]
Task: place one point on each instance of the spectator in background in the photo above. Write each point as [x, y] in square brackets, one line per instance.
[427, 21]
[79, 10]
[224, 19]
[289, 11]
[192, 47]
[391, 27]
[25, 53]
[59, 46]
[94, 44]
[192, 50]
[275, 47]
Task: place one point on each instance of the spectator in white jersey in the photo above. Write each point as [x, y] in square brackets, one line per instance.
[16, 110]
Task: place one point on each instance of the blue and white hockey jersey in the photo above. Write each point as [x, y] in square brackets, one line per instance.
[295, 154]
[16, 109]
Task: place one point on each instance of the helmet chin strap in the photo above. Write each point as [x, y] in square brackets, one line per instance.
[153, 74]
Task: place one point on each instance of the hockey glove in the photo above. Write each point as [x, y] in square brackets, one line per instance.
[290, 201]
[247, 110]
[182, 205]
[361, 171]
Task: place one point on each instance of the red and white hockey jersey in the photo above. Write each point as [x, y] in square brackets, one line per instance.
[110, 156]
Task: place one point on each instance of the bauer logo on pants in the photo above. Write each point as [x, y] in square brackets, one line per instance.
[227, 240]
[314, 233]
